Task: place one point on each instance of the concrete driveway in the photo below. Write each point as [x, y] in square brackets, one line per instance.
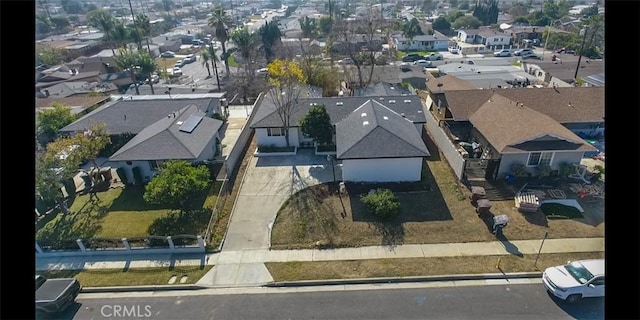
[267, 183]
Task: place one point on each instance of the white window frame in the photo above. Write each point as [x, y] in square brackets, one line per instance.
[271, 132]
[542, 157]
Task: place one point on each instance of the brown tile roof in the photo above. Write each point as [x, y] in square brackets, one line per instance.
[449, 83]
[70, 101]
[564, 105]
[507, 126]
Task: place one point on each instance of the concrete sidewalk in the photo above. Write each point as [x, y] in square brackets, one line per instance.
[246, 267]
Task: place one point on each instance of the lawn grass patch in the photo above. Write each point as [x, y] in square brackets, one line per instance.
[132, 276]
[408, 267]
[560, 211]
[232, 61]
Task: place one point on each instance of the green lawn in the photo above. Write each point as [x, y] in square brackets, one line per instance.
[232, 61]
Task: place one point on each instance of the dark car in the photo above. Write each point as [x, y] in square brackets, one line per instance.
[565, 50]
[411, 57]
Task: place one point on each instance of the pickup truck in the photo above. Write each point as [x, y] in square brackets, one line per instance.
[55, 295]
[433, 56]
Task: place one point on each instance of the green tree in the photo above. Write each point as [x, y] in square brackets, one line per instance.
[519, 9]
[325, 25]
[148, 66]
[467, 22]
[50, 180]
[411, 29]
[49, 121]
[90, 144]
[105, 22]
[382, 203]
[486, 11]
[551, 9]
[453, 15]
[270, 34]
[539, 19]
[60, 22]
[246, 43]
[145, 27]
[317, 124]
[308, 26]
[220, 21]
[286, 79]
[176, 183]
[127, 60]
[72, 7]
[441, 24]
[589, 12]
[51, 56]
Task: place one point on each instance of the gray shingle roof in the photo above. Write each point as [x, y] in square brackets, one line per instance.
[338, 108]
[133, 115]
[163, 139]
[375, 131]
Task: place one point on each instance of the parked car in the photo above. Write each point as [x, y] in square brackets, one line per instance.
[345, 61]
[433, 56]
[531, 56]
[262, 70]
[422, 62]
[411, 57]
[502, 53]
[453, 50]
[168, 54]
[189, 58]
[565, 50]
[523, 51]
[180, 63]
[55, 295]
[576, 280]
[154, 79]
[177, 71]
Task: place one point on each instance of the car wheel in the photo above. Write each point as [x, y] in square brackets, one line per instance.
[573, 298]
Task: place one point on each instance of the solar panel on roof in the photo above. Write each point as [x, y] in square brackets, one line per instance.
[191, 123]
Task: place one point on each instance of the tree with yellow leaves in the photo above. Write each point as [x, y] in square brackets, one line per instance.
[287, 81]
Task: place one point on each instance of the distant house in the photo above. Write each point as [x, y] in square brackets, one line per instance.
[163, 128]
[358, 42]
[292, 47]
[518, 34]
[77, 88]
[378, 139]
[436, 42]
[482, 40]
[413, 75]
[79, 105]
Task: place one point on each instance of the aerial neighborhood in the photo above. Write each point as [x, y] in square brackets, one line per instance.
[190, 127]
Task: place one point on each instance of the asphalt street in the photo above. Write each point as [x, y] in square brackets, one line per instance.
[480, 300]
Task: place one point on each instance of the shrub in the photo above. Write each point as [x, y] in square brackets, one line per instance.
[382, 203]
[543, 170]
[518, 170]
[565, 169]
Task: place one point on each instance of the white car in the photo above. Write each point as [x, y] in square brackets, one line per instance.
[502, 53]
[189, 58]
[576, 280]
[177, 71]
[523, 51]
[422, 62]
[433, 56]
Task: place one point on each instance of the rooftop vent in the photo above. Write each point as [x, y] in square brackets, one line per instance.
[364, 114]
[392, 101]
[392, 88]
[365, 123]
[339, 103]
[385, 118]
[402, 114]
[179, 123]
[407, 101]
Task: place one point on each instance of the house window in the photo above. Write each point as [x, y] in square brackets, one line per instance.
[153, 164]
[275, 132]
[538, 158]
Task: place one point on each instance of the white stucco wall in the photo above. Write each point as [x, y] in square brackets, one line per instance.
[382, 170]
[210, 150]
[263, 139]
[498, 40]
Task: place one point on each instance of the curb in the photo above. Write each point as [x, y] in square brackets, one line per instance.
[488, 276]
[141, 288]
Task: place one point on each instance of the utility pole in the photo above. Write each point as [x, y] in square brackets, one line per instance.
[546, 41]
[133, 17]
[584, 37]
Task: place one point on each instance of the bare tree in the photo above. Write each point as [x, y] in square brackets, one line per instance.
[287, 80]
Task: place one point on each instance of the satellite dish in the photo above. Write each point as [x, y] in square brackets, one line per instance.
[505, 26]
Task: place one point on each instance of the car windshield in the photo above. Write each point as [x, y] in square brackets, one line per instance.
[579, 272]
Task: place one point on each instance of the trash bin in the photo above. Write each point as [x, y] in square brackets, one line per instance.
[483, 206]
[477, 193]
[499, 222]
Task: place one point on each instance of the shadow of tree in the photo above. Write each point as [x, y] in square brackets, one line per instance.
[392, 232]
[181, 222]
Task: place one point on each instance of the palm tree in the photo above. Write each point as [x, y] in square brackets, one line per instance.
[145, 26]
[104, 21]
[245, 42]
[270, 37]
[220, 21]
[205, 57]
[127, 61]
[211, 55]
[148, 66]
[120, 34]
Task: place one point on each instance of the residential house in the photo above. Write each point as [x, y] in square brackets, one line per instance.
[187, 134]
[568, 24]
[62, 73]
[76, 88]
[79, 105]
[435, 42]
[536, 125]
[382, 89]
[471, 41]
[161, 139]
[355, 43]
[292, 47]
[488, 77]
[377, 138]
[517, 34]
[413, 75]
